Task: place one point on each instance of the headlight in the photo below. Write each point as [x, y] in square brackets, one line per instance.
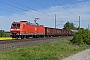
[11, 29]
[18, 29]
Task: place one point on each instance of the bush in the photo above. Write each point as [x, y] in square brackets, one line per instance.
[4, 34]
[82, 37]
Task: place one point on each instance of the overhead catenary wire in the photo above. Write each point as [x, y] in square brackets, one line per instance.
[64, 7]
[24, 5]
[6, 10]
[48, 16]
[42, 6]
[16, 9]
[21, 5]
[6, 5]
[39, 4]
[13, 7]
[48, 10]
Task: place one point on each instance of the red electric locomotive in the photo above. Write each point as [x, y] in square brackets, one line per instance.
[24, 29]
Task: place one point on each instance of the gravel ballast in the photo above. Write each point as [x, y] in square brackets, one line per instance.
[8, 45]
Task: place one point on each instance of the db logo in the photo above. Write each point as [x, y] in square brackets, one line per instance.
[35, 29]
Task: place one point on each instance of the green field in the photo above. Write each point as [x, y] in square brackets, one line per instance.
[50, 51]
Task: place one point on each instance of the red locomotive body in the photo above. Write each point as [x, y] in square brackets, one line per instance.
[26, 29]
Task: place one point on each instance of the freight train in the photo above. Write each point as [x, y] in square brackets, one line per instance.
[24, 29]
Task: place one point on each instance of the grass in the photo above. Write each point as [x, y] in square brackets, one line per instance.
[50, 51]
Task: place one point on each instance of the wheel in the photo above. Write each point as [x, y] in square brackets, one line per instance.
[16, 37]
[27, 37]
[22, 37]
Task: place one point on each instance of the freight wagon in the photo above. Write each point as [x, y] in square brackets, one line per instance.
[51, 32]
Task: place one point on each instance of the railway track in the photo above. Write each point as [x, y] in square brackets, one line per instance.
[12, 44]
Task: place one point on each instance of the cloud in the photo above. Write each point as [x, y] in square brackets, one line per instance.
[47, 17]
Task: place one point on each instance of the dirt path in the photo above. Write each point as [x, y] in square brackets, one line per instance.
[84, 55]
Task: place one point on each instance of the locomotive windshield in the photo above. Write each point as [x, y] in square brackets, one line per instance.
[15, 25]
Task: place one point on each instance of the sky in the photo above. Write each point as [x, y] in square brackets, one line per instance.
[45, 10]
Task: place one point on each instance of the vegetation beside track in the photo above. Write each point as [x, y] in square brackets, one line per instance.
[50, 51]
[82, 37]
[4, 34]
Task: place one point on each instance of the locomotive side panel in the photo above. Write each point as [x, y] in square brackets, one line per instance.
[22, 28]
[34, 30]
[29, 29]
[41, 30]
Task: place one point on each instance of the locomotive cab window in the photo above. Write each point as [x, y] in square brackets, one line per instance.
[15, 25]
[18, 25]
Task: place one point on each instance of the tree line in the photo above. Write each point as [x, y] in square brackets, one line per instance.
[4, 34]
[81, 37]
[69, 26]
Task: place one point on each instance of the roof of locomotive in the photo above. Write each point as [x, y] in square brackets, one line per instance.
[28, 23]
[15, 22]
